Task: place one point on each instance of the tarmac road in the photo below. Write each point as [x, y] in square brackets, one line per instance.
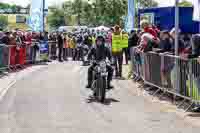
[54, 100]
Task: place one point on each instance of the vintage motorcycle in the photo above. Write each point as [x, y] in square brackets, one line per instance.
[99, 83]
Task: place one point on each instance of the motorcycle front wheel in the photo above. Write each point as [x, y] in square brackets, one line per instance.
[101, 89]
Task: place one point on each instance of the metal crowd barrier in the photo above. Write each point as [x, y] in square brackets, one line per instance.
[12, 56]
[52, 49]
[67, 51]
[159, 70]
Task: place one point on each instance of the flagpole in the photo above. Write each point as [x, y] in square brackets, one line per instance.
[43, 10]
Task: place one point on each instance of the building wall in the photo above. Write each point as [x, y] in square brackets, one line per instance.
[18, 21]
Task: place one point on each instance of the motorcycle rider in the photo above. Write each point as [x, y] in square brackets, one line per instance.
[99, 52]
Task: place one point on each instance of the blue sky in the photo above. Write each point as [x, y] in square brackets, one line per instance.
[50, 2]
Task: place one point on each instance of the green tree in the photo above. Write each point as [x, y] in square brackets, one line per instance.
[67, 8]
[56, 17]
[4, 6]
[185, 4]
[109, 12]
[3, 22]
[9, 6]
[146, 3]
[97, 12]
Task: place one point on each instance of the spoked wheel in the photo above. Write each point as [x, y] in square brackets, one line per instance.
[101, 89]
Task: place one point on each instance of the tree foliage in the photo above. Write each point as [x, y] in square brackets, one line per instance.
[185, 4]
[97, 12]
[147, 3]
[13, 7]
[56, 18]
[3, 22]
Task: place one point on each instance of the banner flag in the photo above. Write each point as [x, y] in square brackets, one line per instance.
[196, 12]
[130, 20]
[36, 15]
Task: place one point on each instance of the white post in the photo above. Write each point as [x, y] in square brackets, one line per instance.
[176, 26]
[176, 44]
[43, 10]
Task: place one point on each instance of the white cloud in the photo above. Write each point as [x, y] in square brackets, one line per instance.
[18, 2]
[26, 2]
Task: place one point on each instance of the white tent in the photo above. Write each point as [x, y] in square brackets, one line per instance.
[102, 27]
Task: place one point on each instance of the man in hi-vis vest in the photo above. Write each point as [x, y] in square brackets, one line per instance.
[117, 51]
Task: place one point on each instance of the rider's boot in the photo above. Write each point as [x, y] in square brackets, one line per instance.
[89, 85]
[109, 86]
[94, 94]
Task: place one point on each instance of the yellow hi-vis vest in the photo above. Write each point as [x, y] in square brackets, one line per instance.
[93, 40]
[124, 42]
[71, 43]
[116, 43]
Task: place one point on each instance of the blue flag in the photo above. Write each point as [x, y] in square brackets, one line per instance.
[36, 15]
[130, 20]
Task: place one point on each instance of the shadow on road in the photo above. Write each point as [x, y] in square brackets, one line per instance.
[5, 72]
[194, 115]
[107, 101]
[2, 74]
[119, 78]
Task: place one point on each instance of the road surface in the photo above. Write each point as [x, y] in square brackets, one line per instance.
[53, 99]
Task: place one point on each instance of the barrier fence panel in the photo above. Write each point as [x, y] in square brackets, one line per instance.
[162, 72]
[12, 56]
[136, 62]
[1, 56]
[43, 51]
[193, 82]
[52, 49]
[159, 70]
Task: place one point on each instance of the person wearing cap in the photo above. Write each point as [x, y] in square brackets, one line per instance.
[165, 43]
[181, 45]
[117, 51]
